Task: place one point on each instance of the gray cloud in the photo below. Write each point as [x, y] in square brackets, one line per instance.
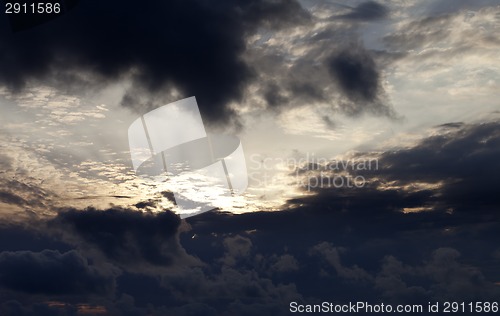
[188, 46]
[418, 33]
[23, 194]
[128, 238]
[325, 63]
[461, 161]
[367, 11]
[357, 76]
[11, 198]
[52, 272]
[380, 253]
[332, 256]
[445, 278]
[256, 263]
[285, 263]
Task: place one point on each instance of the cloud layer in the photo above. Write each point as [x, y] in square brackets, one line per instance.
[176, 48]
[340, 243]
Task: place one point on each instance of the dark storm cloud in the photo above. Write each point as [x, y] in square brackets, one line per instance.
[373, 250]
[52, 272]
[339, 242]
[332, 255]
[356, 75]
[458, 167]
[345, 253]
[452, 279]
[367, 11]
[465, 159]
[334, 71]
[332, 245]
[17, 237]
[192, 46]
[123, 236]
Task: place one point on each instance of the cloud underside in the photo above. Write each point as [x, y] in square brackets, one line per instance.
[424, 227]
[455, 170]
[181, 49]
[183, 46]
[339, 242]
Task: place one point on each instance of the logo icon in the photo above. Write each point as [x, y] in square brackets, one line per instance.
[170, 144]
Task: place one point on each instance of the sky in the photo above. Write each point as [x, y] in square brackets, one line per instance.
[371, 134]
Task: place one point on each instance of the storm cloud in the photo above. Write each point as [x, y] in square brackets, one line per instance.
[188, 46]
[357, 77]
[124, 236]
[367, 11]
[52, 272]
